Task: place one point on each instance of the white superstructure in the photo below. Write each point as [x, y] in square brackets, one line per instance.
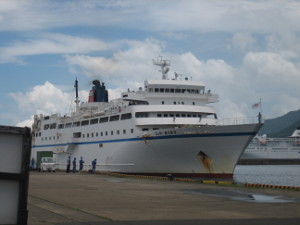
[167, 127]
[268, 148]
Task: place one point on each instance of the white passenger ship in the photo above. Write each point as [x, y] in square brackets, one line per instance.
[269, 150]
[164, 128]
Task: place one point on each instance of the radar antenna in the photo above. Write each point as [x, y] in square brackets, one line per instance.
[163, 65]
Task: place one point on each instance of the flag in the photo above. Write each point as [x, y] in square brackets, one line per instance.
[256, 105]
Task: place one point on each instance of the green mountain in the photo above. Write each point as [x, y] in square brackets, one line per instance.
[282, 126]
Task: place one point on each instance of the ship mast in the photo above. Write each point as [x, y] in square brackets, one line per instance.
[163, 65]
[76, 91]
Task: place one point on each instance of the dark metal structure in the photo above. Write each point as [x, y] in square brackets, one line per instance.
[23, 176]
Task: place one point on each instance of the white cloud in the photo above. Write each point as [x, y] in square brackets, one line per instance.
[134, 63]
[44, 99]
[242, 40]
[52, 43]
[25, 123]
[286, 103]
[271, 67]
[273, 78]
[195, 15]
[49, 99]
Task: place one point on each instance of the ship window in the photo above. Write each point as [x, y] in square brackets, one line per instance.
[101, 133]
[94, 121]
[40, 133]
[145, 129]
[49, 138]
[57, 137]
[45, 138]
[177, 90]
[52, 125]
[85, 122]
[97, 134]
[42, 138]
[126, 116]
[156, 90]
[196, 91]
[112, 133]
[131, 131]
[155, 128]
[165, 115]
[77, 134]
[193, 103]
[87, 135]
[76, 124]
[167, 90]
[124, 131]
[158, 115]
[182, 115]
[162, 102]
[118, 132]
[189, 115]
[103, 119]
[68, 125]
[172, 90]
[141, 114]
[182, 103]
[161, 90]
[114, 118]
[177, 115]
[46, 126]
[174, 103]
[106, 133]
[53, 137]
[150, 90]
[194, 115]
[171, 115]
[124, 96]
[46, 118]
[182, 90]
[83, 136]
[92, 134]
[60, 126]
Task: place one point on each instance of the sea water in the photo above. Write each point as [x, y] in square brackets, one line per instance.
[285, 175]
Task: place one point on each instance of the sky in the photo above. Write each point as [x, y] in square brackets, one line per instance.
[241, 50]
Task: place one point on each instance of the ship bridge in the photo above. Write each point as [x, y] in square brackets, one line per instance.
[156, 90]
[175, 86]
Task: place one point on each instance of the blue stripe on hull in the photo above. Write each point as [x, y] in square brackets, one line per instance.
[151, 138]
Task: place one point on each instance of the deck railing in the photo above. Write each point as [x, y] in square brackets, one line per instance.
[239, 120]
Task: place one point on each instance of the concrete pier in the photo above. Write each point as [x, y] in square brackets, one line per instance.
[65, 199]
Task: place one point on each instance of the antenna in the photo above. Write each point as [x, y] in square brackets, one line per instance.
[76, 97]
[163, 65]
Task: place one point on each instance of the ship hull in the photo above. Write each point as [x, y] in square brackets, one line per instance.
[211, 151]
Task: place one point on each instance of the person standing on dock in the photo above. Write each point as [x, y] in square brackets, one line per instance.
[81, 162]
[68, 164]
[94, 162]
[74, 165]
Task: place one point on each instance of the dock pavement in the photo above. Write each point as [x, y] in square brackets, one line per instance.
[95, 199]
